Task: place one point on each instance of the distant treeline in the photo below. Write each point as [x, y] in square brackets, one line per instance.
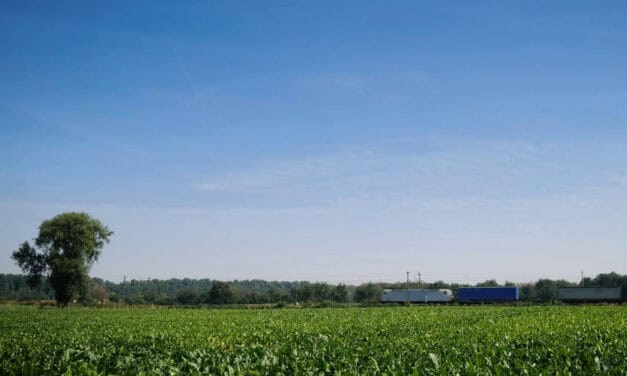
[212, 292]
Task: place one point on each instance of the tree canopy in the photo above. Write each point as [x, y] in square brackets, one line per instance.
[64, 251]
[220, 293]
[177, 291]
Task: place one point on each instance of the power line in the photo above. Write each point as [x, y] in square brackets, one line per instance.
[407, 287]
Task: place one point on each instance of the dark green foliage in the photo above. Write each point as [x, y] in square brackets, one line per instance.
[339, 294]
[151, 296]
[606, 280]
[33, 263]
[368, 293]
[488, 283]
[546, 290]
[16, 287]
[68, 279]
[439, 285]
[66, 247]
[609, 280]
[220, 293]
[188, 297]
[319, 292]
[527, 292]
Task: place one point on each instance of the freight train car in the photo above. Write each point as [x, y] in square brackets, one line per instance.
[590, 294]
[487, 294]
[416, 295]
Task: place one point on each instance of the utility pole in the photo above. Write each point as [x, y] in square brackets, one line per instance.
[419, 280]
[582, 283]
[407, 285]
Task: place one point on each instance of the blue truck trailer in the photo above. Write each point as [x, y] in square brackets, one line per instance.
[487, 294]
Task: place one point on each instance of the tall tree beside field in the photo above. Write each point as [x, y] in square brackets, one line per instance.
[65, 249]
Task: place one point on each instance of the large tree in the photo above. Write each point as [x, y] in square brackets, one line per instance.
[65, 249]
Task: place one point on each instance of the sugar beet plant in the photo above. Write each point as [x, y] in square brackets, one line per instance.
[368, 341]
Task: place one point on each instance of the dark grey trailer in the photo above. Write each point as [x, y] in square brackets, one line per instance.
[590, 294]
[416, 295]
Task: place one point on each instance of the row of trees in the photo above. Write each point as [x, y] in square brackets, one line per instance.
[183, 291]
[57, 264]
[235, 292]
[205, 291]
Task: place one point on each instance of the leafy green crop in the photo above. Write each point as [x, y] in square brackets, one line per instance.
[476, 340]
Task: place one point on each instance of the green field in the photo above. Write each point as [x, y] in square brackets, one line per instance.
[448, 340]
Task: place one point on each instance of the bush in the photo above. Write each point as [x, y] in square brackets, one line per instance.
[188, 297]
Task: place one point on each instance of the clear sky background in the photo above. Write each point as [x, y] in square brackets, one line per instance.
[338, 141]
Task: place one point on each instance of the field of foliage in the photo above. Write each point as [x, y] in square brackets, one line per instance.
[475, 340]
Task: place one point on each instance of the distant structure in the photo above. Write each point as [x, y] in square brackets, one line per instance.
[416, 295]
[487, 294]
[590, 294]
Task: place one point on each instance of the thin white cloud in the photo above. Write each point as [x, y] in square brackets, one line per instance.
[209, 187]
[479, 169]
[620, 180]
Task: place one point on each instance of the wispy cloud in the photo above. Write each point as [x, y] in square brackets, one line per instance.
[209, 187]
[620, 180]
[470, 170]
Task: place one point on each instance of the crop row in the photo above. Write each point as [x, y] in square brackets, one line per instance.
[365, 341]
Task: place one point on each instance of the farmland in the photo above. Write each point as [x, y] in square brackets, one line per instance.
[367, 341]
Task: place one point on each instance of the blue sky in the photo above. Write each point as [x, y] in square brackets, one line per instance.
[337, 141]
